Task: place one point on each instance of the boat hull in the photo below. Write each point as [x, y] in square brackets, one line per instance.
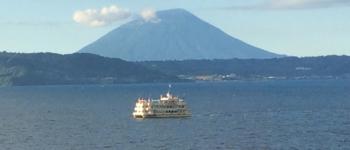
[162, 116]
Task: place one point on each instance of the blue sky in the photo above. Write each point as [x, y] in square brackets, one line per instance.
[292, 27]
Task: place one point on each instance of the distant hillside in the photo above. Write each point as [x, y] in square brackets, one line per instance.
[283, 68]
[51, 69]
[175, 35]
[81, 68]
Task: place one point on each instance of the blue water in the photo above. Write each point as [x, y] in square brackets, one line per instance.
[226, 115]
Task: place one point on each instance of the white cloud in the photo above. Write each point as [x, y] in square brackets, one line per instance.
[296, 4]
[101, 17]
[149, 15]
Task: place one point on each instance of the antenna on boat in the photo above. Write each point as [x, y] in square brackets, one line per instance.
[169, 88]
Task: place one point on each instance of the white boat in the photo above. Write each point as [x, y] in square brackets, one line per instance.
[165, 107]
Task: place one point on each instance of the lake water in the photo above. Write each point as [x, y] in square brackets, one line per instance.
[226, 115]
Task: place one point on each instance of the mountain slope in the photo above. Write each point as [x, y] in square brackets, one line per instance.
[54, 69]
[178, 35]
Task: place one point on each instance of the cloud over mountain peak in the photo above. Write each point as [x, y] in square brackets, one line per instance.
[149, 15]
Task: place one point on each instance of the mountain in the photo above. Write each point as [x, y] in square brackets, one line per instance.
[79, 68]
[175, 35]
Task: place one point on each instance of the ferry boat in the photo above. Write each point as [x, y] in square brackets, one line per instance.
[166, 106]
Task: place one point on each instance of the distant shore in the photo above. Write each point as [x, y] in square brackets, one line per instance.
[19, 69]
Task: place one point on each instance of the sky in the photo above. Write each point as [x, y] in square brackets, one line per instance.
[291, 27]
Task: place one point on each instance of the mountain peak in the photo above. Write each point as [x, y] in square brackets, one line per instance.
[175, 11]
[178, 35]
